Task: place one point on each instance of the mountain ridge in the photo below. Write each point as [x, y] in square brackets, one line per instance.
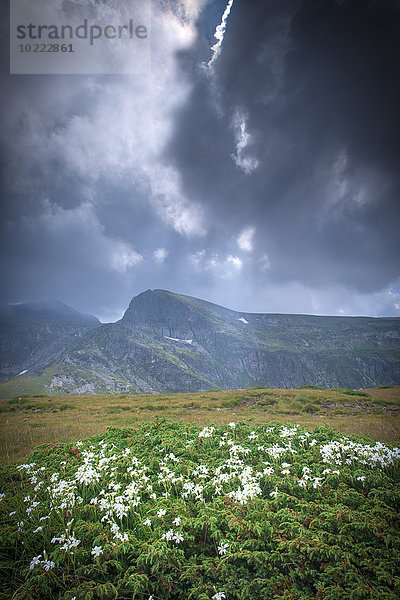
[33, 335]
[46, 310]
[202, 301]
[168, 342]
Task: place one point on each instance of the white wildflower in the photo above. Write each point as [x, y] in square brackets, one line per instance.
[48, 564]
[35, 561]
[168, 535]
[97, 550]
[222, 549]
[206, 432]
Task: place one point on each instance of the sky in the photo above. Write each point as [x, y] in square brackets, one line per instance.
[256, 165]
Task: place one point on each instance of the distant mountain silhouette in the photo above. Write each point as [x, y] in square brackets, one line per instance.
[46, 310]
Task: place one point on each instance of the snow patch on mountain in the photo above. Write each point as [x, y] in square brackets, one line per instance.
[178, 340]
[242, 319]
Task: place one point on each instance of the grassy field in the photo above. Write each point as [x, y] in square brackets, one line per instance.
[28, 421]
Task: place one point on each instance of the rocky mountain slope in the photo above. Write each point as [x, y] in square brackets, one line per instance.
[34, 335]
[46, 310]
[169, 342]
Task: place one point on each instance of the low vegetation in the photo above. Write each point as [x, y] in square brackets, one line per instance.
[27, 421]
[173, 510]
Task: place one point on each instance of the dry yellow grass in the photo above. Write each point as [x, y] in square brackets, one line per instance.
[30, 421]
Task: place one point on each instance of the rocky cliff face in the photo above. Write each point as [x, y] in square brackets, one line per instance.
[34, 335]
[166, 342]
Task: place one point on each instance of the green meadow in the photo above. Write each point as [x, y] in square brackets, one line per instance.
[28, 421]
[222, 495]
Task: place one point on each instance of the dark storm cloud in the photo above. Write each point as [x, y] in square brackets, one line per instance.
[317, 87]
[267, 181]
[85, 202]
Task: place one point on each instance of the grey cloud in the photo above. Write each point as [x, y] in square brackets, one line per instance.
[293, 136]
[83, 190]
[317, 81]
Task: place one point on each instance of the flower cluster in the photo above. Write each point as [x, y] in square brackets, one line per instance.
[167, 494]
[173, 535]
[45, 562]
[206, 432]
[348, 452]
[67, 542]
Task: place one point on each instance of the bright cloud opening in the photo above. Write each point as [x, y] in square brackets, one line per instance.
[245, 239]
[219, 35]
[159, 255]
[221, 267]
[247, 163]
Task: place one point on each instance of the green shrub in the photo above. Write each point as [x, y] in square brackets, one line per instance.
[311, 408]
[350, 392]
[174, 511]
[18, 400]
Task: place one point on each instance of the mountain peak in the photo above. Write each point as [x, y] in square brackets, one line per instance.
[166, 314]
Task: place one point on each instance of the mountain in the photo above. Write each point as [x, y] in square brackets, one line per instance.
[167, 342]
[46, 310]
[34, 335]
